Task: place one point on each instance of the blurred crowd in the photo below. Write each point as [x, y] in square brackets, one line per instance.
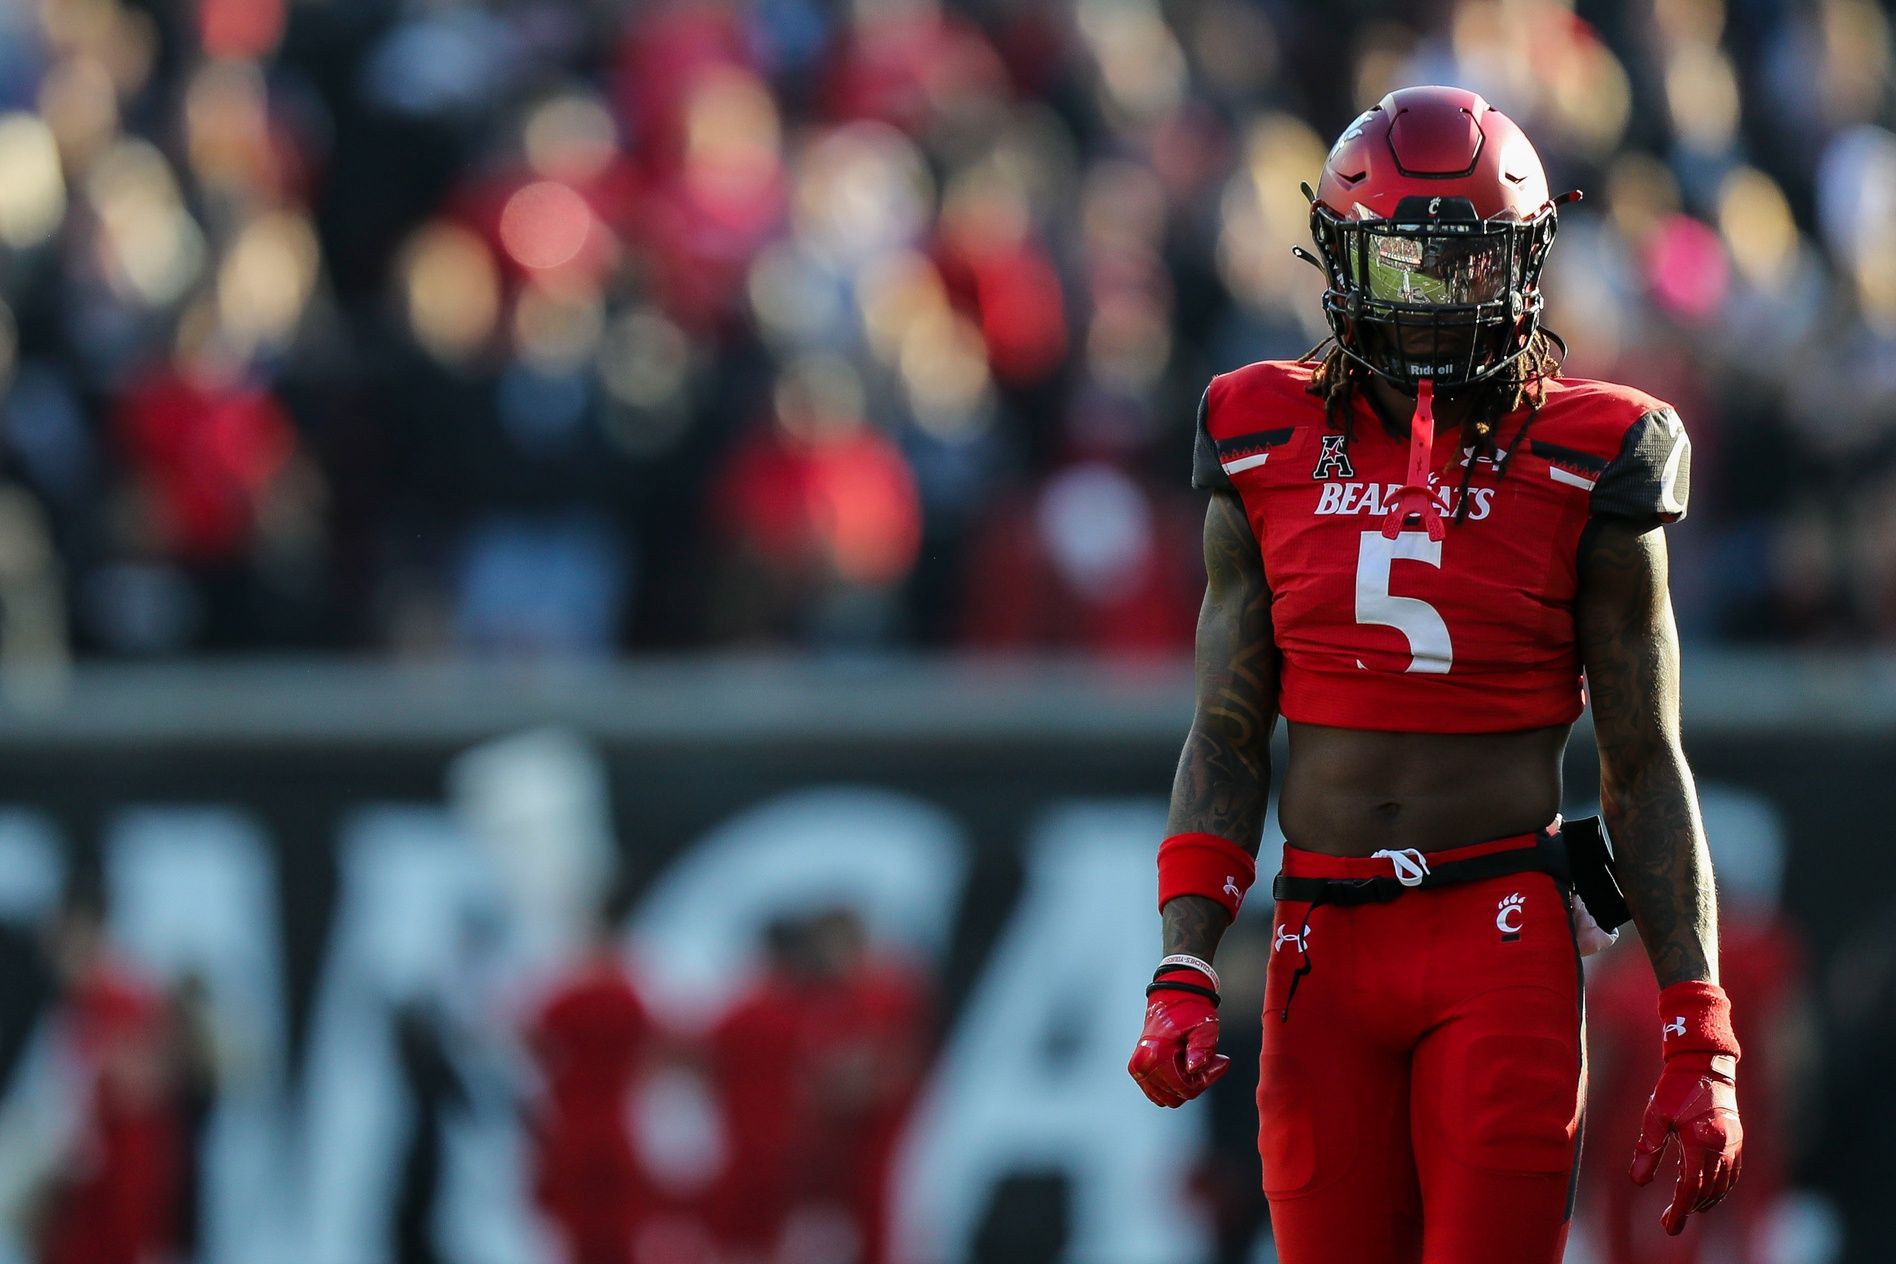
[810, 1076]
[563, 327]
[769, 1138]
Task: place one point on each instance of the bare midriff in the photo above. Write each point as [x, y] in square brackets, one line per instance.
[1352, 792]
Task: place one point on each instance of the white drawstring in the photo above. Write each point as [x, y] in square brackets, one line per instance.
[1409, 865]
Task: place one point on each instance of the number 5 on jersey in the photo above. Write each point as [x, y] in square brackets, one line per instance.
[1429, 649]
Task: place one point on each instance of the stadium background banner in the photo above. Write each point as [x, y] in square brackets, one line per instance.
[330, 852]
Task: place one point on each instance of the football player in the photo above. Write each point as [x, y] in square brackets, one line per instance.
[1425, 549]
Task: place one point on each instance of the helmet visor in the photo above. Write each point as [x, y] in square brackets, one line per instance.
[1435, 270]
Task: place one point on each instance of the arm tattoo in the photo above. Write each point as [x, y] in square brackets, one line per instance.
[1630, 647]
[1224, 774]
[1193, 924]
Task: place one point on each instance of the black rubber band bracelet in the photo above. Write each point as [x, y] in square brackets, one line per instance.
[1167, 985]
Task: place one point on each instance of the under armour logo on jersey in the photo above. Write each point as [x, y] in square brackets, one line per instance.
[1333, 461]
[1285, 935]
[1676, 1027]
[1468, 454]
[1508, 915]
[1231, 887]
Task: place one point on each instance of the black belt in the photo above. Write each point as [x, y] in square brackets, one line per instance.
[1548, 855]
[1576, 856]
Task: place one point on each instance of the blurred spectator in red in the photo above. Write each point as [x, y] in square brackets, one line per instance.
[908, 63]
[205, 452]
[817, 1068]
[592, 1041]
[994, 267]
[1091, 562]
[820, 510]
[709, 183]
[217, 491]
[701, 224]
[667, 50]
[1762, 965]
[114, 1199]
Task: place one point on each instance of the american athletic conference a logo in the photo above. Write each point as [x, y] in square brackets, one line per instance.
[1332, 460]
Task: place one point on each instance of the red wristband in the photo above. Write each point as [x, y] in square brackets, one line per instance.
[1207, 865]
[1696, 1018]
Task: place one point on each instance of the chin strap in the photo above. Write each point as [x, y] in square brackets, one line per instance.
[1415, 498]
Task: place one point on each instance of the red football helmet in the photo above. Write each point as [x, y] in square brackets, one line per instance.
[1433, 221]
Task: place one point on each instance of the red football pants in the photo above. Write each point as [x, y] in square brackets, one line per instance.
[1421, 1103]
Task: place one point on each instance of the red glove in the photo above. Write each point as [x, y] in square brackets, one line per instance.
[1178, 1058]
[1696, 1101]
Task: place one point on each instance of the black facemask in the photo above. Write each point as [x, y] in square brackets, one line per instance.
[1433, 292]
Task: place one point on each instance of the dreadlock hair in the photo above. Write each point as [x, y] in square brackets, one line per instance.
[1338, 377]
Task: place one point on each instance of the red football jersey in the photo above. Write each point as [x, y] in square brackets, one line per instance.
[1473, 633]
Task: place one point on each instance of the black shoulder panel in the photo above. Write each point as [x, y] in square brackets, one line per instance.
[1207, 474]
[1651, 477]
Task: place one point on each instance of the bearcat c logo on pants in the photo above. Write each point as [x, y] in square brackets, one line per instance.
[1508, 915]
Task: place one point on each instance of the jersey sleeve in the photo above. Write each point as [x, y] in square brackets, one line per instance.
[1207, 473]
[1652, 475]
